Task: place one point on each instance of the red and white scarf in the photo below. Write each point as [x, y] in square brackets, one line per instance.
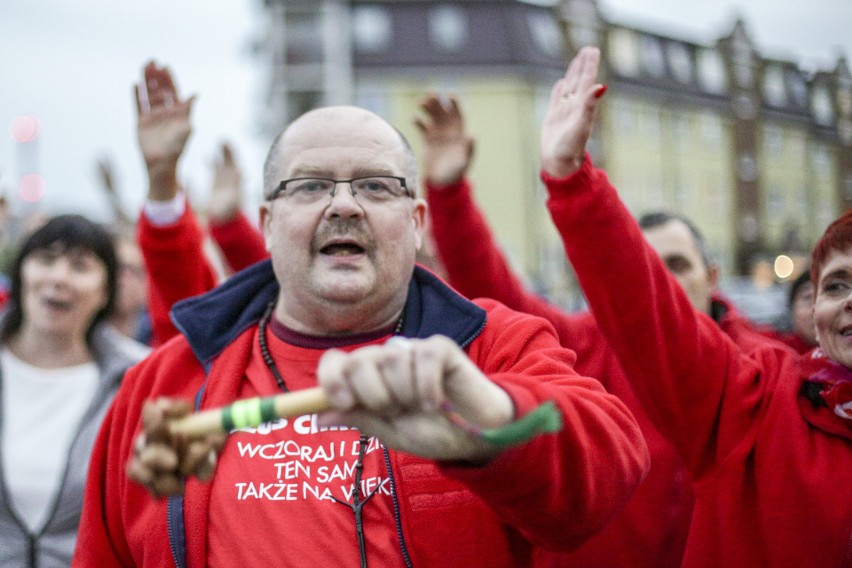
[834, 379]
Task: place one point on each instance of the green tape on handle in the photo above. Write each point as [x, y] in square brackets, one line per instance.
[248, 413]
[544, 418]
[267, 409]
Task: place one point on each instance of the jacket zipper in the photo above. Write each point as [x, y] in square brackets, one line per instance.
[174, 507]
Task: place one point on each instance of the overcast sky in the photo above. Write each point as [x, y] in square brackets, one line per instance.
[72, 64]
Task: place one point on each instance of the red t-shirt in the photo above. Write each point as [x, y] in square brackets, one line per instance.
[272, 496]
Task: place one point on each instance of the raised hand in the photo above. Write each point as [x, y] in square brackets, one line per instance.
[161, 461]
[163, 127]
[571, 115]
[400, 392]
[447, 149]
[106, 175]
[226, 190]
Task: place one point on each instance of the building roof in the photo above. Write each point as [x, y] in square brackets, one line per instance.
[403, 37]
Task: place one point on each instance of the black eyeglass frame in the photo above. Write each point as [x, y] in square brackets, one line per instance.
[276, 193]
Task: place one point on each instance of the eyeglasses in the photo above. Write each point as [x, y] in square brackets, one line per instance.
[373, 189]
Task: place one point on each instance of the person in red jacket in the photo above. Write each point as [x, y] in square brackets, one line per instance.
[766, 435]
[651, 532]
[800, 302]
[386, 477]
[239, 240]
[180, 260]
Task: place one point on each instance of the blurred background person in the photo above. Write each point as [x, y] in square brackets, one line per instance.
[169, 235]
[765, 434]
[130, 316]
[652, 530]
[180, 258]
[801, 334]
[60, 369]
[240, 241]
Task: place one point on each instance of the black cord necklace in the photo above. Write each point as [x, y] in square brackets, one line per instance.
[358, 500]
[264, 346]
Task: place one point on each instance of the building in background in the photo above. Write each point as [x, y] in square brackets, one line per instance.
[757, 151]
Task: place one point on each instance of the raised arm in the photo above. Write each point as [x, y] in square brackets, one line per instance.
[240, 242]
[683, 368]
[475, 264]
[163, 129]
[168, 233]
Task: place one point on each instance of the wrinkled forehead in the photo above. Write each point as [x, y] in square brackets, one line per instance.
[340, 142]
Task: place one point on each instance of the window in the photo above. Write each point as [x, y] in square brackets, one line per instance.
[448, 27]
[545, 33]
[303, 33]
[821, 106]
[798, 87]
[371, 28]
[652, 56]
[774, 91]
[680, 62]
[624, 51]
[711, 71]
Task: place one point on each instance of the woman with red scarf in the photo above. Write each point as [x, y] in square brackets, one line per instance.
[766, 436]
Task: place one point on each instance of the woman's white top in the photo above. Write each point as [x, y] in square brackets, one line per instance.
[42, 411]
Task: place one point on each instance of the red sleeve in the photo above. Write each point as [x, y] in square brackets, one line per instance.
[475, 265]
[240, 242]
[177, 268]
[586, 472]
[101, 543]
[694, 381]
[122, 525]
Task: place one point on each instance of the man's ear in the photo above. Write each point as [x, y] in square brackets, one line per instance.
[419, 215]
[713, 275]
[265, 214]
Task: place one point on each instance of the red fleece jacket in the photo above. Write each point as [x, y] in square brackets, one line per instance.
[177, 268]
[651, 532]
[772, 472]
[552, 491]
[240, 242]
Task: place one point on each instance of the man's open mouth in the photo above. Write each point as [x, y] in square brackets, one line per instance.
[342, 249]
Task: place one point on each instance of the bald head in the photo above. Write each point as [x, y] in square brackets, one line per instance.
[337, 131]
[343, 262]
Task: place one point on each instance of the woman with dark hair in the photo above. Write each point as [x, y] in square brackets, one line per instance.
[802, 335]
[59, 370]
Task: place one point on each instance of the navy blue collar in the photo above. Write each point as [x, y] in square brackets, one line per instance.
[211, 321]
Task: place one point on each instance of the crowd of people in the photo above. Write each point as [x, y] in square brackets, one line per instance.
[689, 436]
